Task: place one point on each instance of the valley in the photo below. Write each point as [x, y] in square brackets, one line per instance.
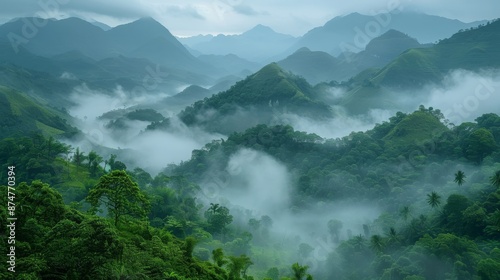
[341, 153]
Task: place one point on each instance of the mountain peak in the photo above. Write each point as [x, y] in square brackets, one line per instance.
[303, 49]
[394, 34]
[259, 29]
[270, 90]
[272, 69]
[391, 42]
[146, 21]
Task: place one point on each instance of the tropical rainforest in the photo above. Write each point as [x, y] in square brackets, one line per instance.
[264, 175]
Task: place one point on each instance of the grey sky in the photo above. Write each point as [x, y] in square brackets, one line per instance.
[191, 17]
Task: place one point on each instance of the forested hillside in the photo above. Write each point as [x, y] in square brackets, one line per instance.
[126, 223]
[364, 148]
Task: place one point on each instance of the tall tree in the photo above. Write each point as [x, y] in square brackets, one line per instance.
[305, 250]
[393, 239]
[218, 257]
[433, 199]
[377, 243]
[120, 195]
[300, 271]
[189, 244]
[334, 227]
[460, 177]
[495, 179]
[238, 267]
[479, 144]
[94, 160]
[405, 213]
[78, 158]
[91, 157]
[218, 218]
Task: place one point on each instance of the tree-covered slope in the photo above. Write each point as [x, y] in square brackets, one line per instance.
[144, 38]
[42, 84]
[348, 32]
[363, 164]
[415, 128]
[426, 218]
[314, 66]
[474, 49]
[318, 66]
[270, 91]
[21, 115]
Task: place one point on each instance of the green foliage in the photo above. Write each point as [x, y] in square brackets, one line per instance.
[120, 195]
[300, 271]
[495, 179]
[48, 234]
[190, 243]
[452, 215]
[238, 267]
[434, 199]
[488, 269]
[334, 227]
[479, 144]
[460, 178]
[34, 157]
[148, 115]
[446, 244]
[218, 218]
[21, 115]
[271, 90]
[218, 257]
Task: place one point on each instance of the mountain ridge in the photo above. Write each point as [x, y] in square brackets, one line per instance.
[349, 32]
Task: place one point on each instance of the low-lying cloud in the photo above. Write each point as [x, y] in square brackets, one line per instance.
[465, 95]
[339, 126]
[150, 150]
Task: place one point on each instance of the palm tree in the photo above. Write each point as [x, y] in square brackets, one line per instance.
[433, 199]
[495, 179]
[405, 213]
[460, 177]
[213, 207]
[299, 271]
[392, 236]
[377, 243]
[358, 241]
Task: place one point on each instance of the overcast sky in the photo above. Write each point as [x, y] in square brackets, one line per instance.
[191, 17]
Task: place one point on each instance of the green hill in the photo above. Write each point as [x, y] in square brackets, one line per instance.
[415, 128]
[256, 99]
[315, 66]
[474, 49]
[21, 115]
[318, 66]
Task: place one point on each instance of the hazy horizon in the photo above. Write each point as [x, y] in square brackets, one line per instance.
[237, 16]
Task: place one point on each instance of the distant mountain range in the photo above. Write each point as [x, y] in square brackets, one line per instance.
[216, 96]
[354, 31]
[259, 98]
[257, 44]
[318, 66]
[349, 33]
[473, 50]
[144, 38]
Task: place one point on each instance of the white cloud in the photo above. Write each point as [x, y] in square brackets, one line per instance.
[466, 95]
[236, 16]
